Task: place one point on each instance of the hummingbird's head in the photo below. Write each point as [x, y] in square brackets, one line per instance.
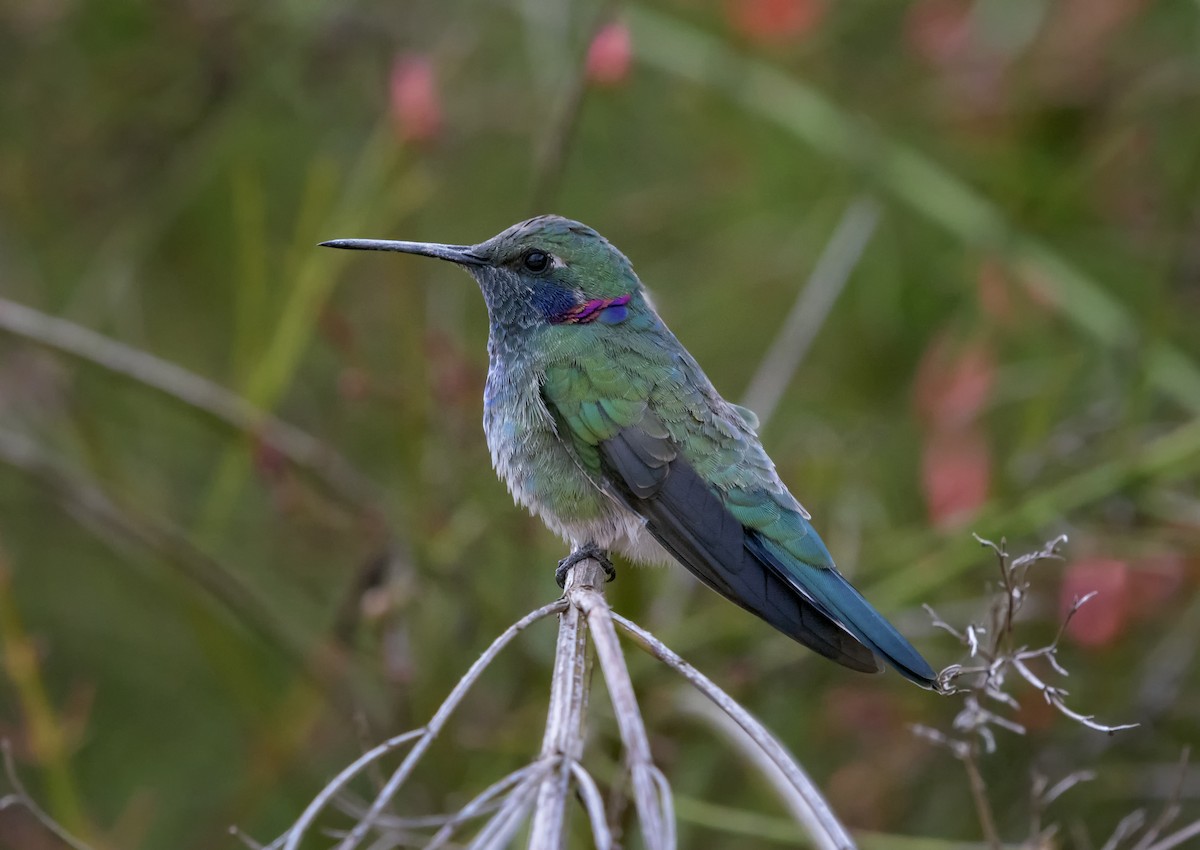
[547, 270]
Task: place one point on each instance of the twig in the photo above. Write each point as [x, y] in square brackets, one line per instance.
[749, 749]
[426, 735]
[1127, 826]
[994, 648]
[593, 804]
[1170, 808]
[983, 807]
[240, 835]
[562, 743]
[657, 825]
[1168, 664]
[1054, 696]
[543, 786]
[1176, 839]
[395, 823]
[814, 812]
[301, 448]
[1066, 784]
[812, 306]
[967, 752]
[500, 829]
[481, 803]
[666, 804]
[1042, 795]
[342, 779]
[21, 798]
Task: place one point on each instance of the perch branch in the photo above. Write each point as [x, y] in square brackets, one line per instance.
[424, 737]
[482, 803]
[658, 825]
[812, 810]
[562, 743]
[541, 791]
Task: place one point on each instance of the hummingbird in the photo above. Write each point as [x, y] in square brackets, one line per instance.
[599, 421]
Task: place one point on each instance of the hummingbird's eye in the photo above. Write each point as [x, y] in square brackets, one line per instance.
[535, 260]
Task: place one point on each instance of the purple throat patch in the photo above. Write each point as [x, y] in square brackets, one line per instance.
[608, 311]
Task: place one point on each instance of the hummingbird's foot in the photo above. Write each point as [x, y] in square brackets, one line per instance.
[588, 551]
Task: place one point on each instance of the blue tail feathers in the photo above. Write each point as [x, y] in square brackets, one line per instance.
[829, 590]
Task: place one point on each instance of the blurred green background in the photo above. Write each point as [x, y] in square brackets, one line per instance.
[205, 615]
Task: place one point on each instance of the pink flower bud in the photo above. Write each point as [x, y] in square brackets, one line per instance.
[775, 21]
[416, 107]
[954, 381]
[609, 55]
[956, 471]
[939, 31]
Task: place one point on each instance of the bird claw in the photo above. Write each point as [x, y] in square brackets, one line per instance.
[588, 551]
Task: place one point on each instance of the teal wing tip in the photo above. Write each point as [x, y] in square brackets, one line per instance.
[913, 667]
[820, 582]
[883, 639]
[871, 628]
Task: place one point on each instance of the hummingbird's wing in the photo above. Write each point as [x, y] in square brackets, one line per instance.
[666, 445]
[692, 523]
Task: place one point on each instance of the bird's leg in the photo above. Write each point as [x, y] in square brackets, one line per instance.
[587, 551]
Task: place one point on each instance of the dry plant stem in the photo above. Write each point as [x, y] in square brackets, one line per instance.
[425, 736]
[480, 805]
[299, 447]
[1171, 809]
[396, 824]
[967, 752]
[21, 797]
[983, 807]
[1043, 794]
[1176, 839]
[995, 654]
[1127, 826]
[342, 779]
[1053, 696]
[733, 731]
[500, 830]
[658, 826]
[593, 803]
[812, 306]
[813, 811]
[562, 744]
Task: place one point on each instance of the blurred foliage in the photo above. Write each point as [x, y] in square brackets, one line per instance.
[1015, 354]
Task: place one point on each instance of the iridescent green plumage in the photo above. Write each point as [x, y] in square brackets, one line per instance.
[603, 424]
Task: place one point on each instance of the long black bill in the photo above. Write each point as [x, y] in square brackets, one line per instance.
[460, 254]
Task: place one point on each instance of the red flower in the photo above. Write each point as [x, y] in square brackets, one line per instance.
[956, 470]
[939, 30]
[416, 107]
[775, 21]
[953, 382]
[609, 55]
